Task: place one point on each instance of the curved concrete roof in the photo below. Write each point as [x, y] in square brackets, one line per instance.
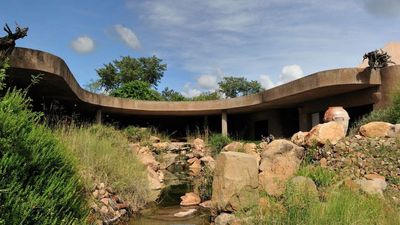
[59, 80]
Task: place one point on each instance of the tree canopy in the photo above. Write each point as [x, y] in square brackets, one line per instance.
[119, 72]
[136, 89]
[233, 87]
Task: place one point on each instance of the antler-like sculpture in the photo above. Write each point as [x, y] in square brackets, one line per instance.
[377, 59]
[7, 43]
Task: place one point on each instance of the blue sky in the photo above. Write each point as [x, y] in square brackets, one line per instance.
[272, 41]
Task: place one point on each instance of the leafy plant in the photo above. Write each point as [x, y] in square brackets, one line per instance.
[217, 142]
[321, 176]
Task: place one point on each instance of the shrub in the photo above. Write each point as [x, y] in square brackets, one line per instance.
[38, 183]
[217, 142]
[102, 155]
[137, 134]
[321, 176]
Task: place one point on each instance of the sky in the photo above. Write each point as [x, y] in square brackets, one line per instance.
[201, 41]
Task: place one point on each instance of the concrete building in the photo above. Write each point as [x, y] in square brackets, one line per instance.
[281, 111]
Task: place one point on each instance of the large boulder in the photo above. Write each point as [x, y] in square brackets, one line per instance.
[251, 148]
[378, 129]
[299, 138]
[167, 160]
[155, 184]
[372, 184]
[304, 185]
[233, 147]
[198, 144]
[323, 133]
[279, 161]
[235, 184]
[224, 219]
[147, 158]
[190, 199]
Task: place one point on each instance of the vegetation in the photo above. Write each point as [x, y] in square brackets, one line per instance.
[217, 142]
[38, 182]
[172, 95]
[321, 176]
[136, 90]
[233, 87]
[102, 155]
[206, 96]
[113, 75]
[342, 206]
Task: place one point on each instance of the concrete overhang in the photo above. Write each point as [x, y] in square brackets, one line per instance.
[59, 82]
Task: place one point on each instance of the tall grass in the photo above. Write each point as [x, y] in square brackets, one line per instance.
[38, 182]
[102, 155]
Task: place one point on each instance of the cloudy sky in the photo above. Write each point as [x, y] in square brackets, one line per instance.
[272, 41]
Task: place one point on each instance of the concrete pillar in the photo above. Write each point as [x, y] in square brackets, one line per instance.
[99, 116]
[390, 80]
[224, 123]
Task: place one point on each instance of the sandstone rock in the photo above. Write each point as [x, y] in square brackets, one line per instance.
[154, 184]
[263, 145]
[299, 138]
[351, 184]
[198, 144]
[235, 181]
[233, 147]
[154, 139]
[209, 162]
[147, 158]
[378, 129]
[250, 148]
[167, 160]
[104, 210]
[206, 204]
[375, 186]
[321, 134]
[95, 193]
[224, 219]
[105, 201]
[305, 185]
[373, 176]
[323, 162]
[195, 167]
[279, 161]
[190, 199]
[160, 146]
[185, 213]
[135, 147]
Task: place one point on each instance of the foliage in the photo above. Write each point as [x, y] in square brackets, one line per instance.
[136, 90]
[102, 155]
[321, 176]
[238, 86]
[38, 182]
[217, 142]
[172, 95]
[137, 134]
[205, 96]
[342, 206]
[3, 68]
[149, 70]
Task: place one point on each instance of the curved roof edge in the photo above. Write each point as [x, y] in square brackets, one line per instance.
[317, 85]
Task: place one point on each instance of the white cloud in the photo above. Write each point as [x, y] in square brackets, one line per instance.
[128, 36]
[189, 91]
[266, 81]
[208, 81]
[290, 72]
[83, 44]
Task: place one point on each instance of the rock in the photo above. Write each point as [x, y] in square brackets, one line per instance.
[263, 145]
[209, 162]
[224, 219]
[135, 147]
[101, 186]
[160, 146]
[190, 199]
[95, 193]
[104, 210]
[351, 184]
[154, 139]
[195, 167]
[147, 158]
[250, 148]
[198, 144]
[105, 201]
[375, 186]
[373, 176]
[306, 186]
[235, 181]
[299, 138]
[167, 160]
[263, 204]
[185, 213]
[233, 147]
[323, 162]
[321, 134]
[279, 161]
[378, 129]
[154, 184]
[206, 204]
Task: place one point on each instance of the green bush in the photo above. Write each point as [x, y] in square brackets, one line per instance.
[38, 183]
[321, 176]
[139, 90]
[217, 142]
[137, 134]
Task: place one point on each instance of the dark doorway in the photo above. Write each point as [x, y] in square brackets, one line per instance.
[260, 128]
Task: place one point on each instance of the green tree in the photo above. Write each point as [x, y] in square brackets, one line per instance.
[238, 86]
[172, 95]
[137, 89]
[119, 72]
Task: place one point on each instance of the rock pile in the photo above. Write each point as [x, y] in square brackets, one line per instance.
[109, 207]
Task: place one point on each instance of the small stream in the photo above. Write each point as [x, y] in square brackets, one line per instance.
[177, 182]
